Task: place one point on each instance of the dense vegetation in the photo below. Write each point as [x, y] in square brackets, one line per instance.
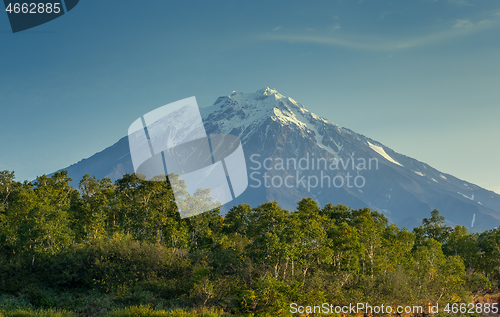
[108, 246]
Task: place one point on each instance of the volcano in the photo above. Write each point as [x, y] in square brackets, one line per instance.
[293, 153]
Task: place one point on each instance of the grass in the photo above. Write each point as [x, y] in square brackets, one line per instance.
[140, 311]
[91, 304]
[23, 312]
[135, 311]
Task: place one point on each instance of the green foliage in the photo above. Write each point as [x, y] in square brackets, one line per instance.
[146, 311]
[122, 249]
[36, 313]
[432, 228]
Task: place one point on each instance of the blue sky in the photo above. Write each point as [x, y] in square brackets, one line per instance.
[421, 77]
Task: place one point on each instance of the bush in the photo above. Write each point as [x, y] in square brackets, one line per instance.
[123, 263]
[108, 264]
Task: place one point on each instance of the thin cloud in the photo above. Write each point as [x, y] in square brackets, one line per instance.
[334, 27]
[463, 24]
[459, 2]
[277, 28]
[385, 43]
[384, 14]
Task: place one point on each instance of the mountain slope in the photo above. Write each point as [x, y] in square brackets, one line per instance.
[292, 153]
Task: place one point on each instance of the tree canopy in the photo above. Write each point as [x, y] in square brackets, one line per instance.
[126, 240]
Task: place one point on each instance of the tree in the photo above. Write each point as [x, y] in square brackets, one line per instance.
[44, 225]
[370, 227]
[397, 246]
[464, 244]
[8, 189]
[432, 228]
[347, 251]
[237, 220]
[145, 208]
[312, 245]
[489, 254]
[93, 212]
[7, 186]
[438, 276]
[270, 244]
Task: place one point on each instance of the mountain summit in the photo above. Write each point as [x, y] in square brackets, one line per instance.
[292, 153]
[239, 112]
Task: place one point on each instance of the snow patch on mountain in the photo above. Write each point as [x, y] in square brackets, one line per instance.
[381, 151]
[471, 198]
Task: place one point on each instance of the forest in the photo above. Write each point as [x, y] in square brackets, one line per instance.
[121, 249]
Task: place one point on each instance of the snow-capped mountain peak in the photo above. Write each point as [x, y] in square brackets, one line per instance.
[237, 112]
[266, 91]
